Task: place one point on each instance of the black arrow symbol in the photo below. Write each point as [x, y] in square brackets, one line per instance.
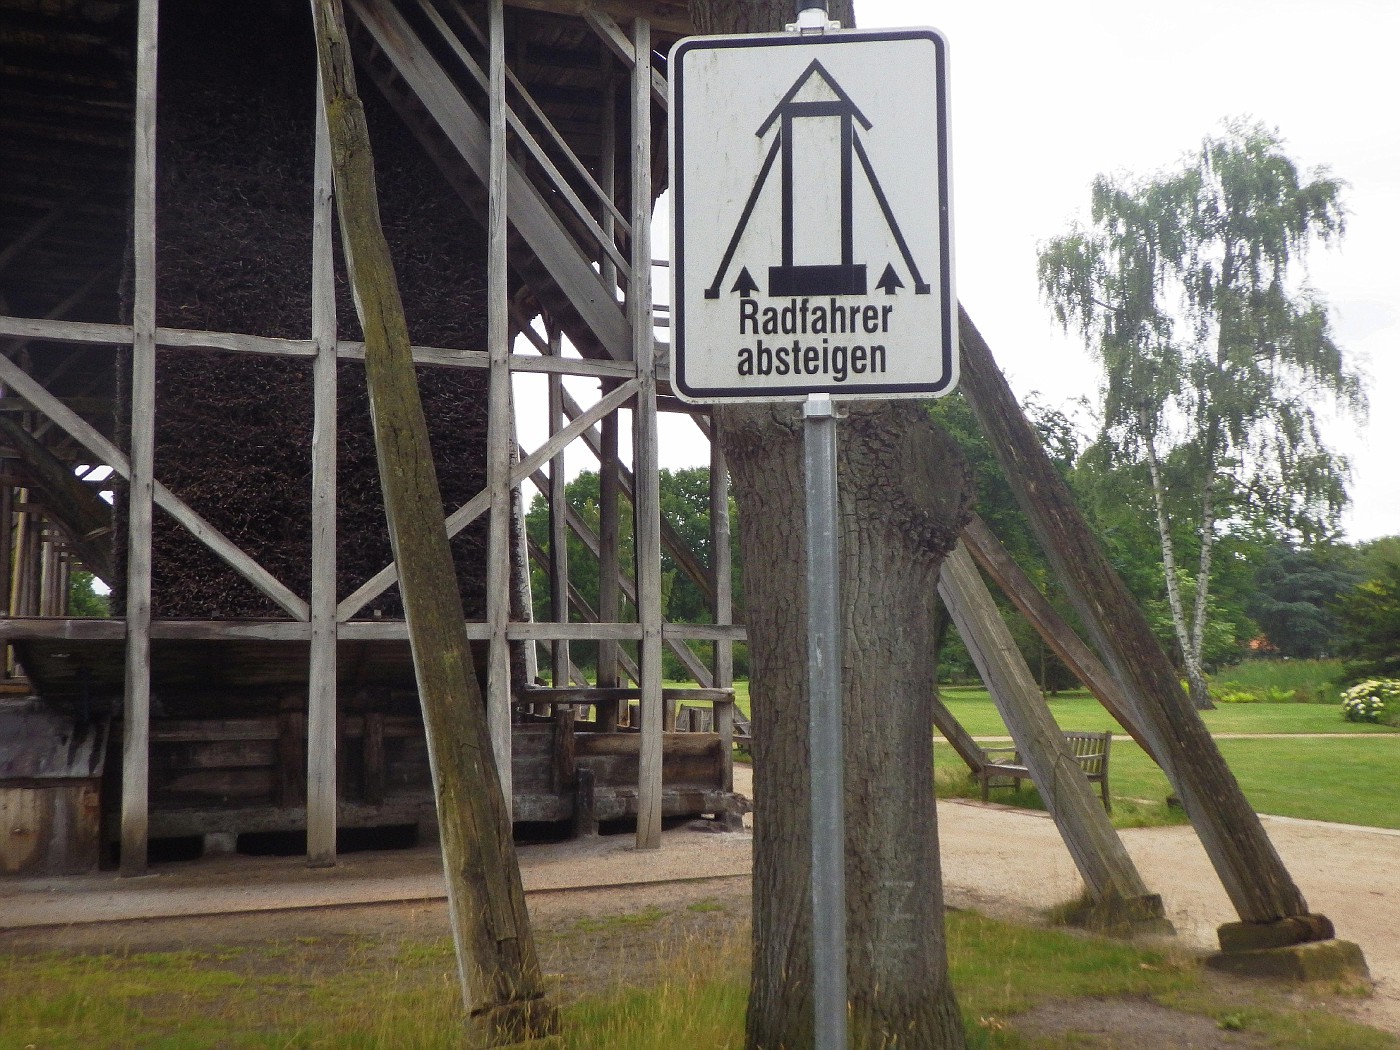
[889, 280]
[745, 285]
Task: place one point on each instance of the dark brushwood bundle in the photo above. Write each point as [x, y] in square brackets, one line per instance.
[233, 432]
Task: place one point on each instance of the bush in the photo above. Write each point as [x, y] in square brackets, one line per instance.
[1374, 700]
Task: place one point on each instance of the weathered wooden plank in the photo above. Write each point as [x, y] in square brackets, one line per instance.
[953, 732]
[53, 330]
[321, 764]
[136, 752]
[645, 451]
[530, 214]
[997, 563]
[182, 338]
[1253, 874]
[500, 421]
[1097, 851]
[560, 660]
[499, 972]
[722, 580]
[705, 632]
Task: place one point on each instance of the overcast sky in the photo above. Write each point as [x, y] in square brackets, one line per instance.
[1044, 97]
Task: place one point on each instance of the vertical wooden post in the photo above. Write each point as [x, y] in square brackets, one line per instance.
[499, 429]
[1097, 851]
[501, 981]
[558, 524]
[721, 570]
[322, 788]
[136, 749]
[609, 482]
[646, 496]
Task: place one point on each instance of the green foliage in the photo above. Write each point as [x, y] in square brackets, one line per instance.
[1214, 359]
[998, 508]
[83, 600]
[1281, 680]
[1371, 625]
[1295, 591]
[685, 504]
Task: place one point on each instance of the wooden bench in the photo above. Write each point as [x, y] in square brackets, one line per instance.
[1090, 751]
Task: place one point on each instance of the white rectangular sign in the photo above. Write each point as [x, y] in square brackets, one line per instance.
[811, 220]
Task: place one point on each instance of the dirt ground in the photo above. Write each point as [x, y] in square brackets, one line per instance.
[999, 861]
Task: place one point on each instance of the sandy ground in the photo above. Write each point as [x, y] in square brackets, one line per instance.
[996, 859]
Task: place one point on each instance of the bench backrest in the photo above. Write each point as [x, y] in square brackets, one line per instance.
[1091, 749]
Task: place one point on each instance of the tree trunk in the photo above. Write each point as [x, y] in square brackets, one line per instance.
[904, 498]
[1200, 688]
[501, 980]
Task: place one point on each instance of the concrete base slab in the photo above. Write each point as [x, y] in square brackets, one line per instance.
[1330, 960]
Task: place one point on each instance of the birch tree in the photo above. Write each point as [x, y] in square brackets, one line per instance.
[1216, 354]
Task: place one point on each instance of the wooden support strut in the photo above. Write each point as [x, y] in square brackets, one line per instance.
[1097, 851]
[1249, 867]
[321, 765]
[136, 747]
[996, 562]
[646, 467]
[499, 970]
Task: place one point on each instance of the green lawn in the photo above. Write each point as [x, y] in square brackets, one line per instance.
[1080, 711]
[369, 992]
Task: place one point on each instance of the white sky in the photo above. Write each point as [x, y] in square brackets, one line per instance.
[1044, 97]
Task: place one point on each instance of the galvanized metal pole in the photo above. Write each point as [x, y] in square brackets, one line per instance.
[826, 759]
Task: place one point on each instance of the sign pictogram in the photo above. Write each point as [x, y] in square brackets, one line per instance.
[810, 209]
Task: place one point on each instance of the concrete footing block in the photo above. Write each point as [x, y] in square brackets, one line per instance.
[1329, 960]
[1120, 916]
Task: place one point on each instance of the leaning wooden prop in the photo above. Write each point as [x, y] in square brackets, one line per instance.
[501, 981]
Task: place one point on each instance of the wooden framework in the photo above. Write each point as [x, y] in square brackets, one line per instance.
[580, 238]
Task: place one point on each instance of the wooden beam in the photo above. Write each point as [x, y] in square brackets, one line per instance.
[1097, 851]
[996, 561]
[136, 747]
[321, 734]
[722, 580]
[532, 217]
[647, 502]
[560, 659]
[953, 732]
[500, 429]
[1249, 867]
[499, 971]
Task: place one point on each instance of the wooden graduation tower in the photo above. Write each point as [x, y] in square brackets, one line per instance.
[185, 322]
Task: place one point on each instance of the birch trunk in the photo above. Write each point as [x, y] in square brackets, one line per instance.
[1185, 638]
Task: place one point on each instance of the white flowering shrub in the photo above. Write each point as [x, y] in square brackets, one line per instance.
[1368, 701]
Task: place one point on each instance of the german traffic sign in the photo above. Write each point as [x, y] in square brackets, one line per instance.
[812, 243]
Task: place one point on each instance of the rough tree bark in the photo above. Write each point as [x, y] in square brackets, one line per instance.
[904, 498]
[500, 974]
